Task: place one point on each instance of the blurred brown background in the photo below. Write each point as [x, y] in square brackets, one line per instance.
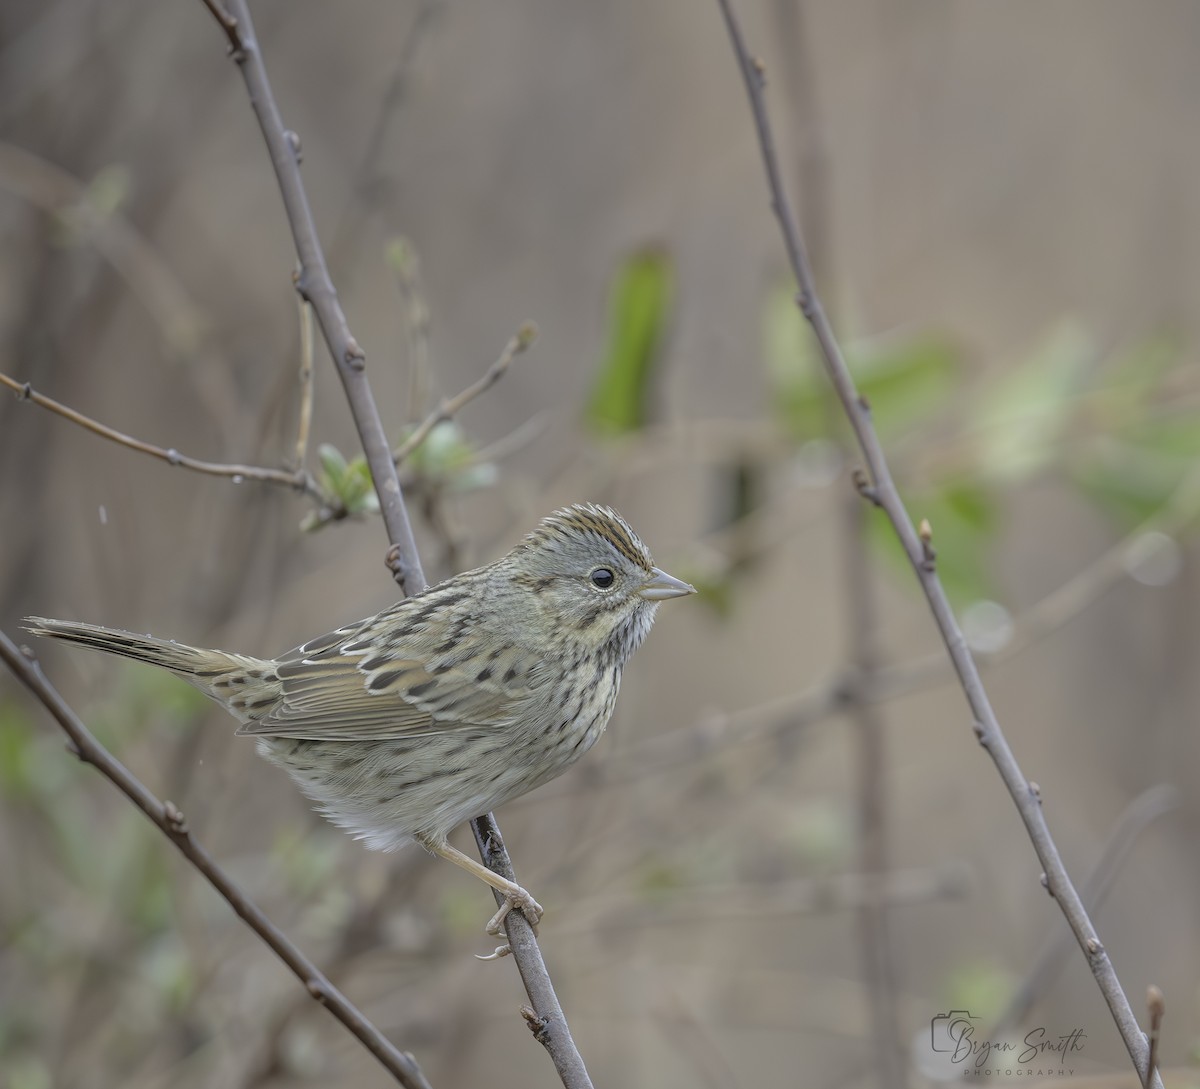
[990, 171]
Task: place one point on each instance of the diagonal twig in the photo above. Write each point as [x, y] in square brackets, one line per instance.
[451, 406]
[882, 491]
[298, 479]
[315, 285]
[171, 822]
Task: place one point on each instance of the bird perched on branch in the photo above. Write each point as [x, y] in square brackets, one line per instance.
[448, 704]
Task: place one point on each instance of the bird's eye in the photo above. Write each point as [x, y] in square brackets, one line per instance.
[603, 578]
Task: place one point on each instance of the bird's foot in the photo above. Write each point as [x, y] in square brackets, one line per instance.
[518, 898]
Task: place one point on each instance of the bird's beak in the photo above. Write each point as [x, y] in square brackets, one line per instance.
[661, 586]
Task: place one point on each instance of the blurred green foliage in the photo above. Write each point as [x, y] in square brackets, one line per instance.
[447, 461]
[820, 833]
[964, 516]
[46, 790]
[980, 985]
[905, 379]
[348, 483]
[641, 299]
[1115, 427]
[1016, 425]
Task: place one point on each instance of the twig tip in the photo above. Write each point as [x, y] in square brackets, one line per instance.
[526, 335]
[928, 552]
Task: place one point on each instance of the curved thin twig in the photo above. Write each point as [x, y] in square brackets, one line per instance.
[171, 822]
[297, 479]
[882, 491]
[451, 406]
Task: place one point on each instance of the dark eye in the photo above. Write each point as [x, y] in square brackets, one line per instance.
[603, 578]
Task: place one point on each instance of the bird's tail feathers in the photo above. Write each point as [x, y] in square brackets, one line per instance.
[209, 670]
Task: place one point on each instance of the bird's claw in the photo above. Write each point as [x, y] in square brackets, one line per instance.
[523, 902]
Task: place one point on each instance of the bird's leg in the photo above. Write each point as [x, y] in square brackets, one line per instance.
[514, 895]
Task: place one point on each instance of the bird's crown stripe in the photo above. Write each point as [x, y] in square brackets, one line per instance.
[608, 525]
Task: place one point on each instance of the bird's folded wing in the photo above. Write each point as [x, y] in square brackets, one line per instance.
[376, 697]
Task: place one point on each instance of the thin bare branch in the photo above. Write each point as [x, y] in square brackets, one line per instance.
[549, 1024]
[171, 822]
[451, 406]
[1148, 807]
[306, 384]
[315, 285]
[299, 479]
[870, 755]
[922, 558]
[415, 318]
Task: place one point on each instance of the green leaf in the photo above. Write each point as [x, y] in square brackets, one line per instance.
[639, 312]
[1020, 420]
[963, 517]
[349, 482]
